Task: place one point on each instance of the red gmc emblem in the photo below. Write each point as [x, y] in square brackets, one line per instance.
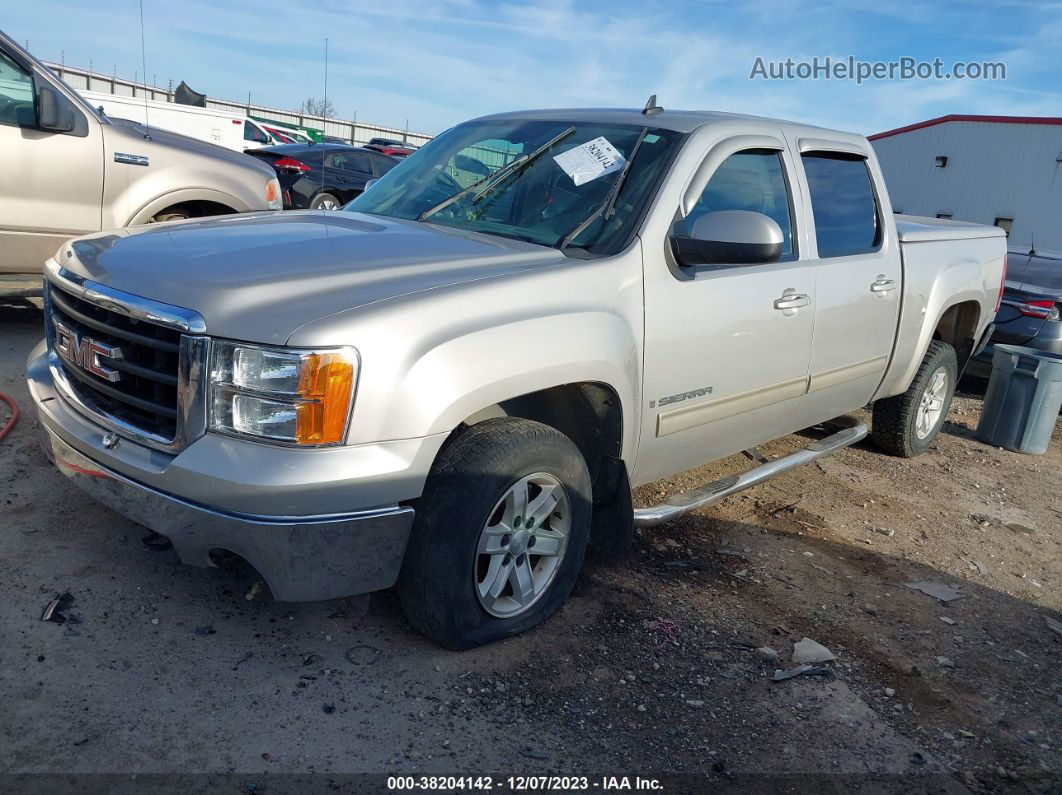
[85, 352]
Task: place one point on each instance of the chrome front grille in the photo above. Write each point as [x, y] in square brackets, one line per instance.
[132, 365]
[123, 366]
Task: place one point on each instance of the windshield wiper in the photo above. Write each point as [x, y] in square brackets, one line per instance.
[605, 209]
[493, 179]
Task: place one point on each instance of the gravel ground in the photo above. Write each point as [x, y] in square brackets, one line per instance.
[656, 667]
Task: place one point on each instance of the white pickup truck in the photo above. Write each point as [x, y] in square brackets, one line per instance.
[455, 383]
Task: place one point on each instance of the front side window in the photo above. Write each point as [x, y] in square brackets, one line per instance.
[457, 180]
[383, 164]
[16, 95]
[843, 204]
[752, 180]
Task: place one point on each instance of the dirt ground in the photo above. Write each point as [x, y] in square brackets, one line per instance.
[652, 668]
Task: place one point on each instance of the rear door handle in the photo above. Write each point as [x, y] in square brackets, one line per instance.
[791, 301]
[882, 285]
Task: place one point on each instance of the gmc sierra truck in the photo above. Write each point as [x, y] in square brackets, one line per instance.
[454, 383]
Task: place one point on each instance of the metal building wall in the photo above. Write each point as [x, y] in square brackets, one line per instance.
[994, 170]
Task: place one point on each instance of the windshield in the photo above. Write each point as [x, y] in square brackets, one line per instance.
[537, 181]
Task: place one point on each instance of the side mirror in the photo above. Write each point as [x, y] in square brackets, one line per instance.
[369, 183]
[730, 237]
[53, 111]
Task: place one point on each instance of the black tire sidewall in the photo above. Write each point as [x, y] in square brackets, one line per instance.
[942, 356]
[450, 517]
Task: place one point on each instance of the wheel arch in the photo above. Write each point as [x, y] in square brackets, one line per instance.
[957, 326]
[197, 197]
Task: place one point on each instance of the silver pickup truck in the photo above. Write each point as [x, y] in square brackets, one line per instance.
[69, 170]
[454, 383]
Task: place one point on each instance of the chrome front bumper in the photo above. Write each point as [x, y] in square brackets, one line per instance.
[301, 559]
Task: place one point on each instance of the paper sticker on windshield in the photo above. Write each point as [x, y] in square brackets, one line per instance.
[590, 160]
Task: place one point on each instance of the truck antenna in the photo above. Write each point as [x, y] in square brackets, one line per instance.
[143, 64]
[651, 108]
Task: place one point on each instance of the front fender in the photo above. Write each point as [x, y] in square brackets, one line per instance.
[464, 375]
[147, 210]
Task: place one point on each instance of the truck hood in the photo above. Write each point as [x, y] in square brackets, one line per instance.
[260, 276]
[128, 136]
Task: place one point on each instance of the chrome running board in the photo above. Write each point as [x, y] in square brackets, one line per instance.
[852, 432]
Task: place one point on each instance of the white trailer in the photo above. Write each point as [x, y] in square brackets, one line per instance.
[218, 127]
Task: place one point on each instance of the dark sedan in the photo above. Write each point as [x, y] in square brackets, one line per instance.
[1030, 313]
[323, 176]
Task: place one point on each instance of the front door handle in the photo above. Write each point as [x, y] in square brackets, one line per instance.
[791, 301]
[882, 285]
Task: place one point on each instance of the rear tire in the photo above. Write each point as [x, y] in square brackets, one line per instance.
[325, 201]
[478, 569]
[906, 425]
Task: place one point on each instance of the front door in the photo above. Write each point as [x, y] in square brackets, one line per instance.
[51, 184]
[727, 347]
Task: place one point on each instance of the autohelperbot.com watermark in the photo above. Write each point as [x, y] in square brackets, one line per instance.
[852, 68]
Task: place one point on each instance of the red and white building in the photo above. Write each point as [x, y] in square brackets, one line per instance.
[1002, 170]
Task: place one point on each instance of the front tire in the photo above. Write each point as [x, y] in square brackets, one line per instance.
[906, 425]
[500, 533]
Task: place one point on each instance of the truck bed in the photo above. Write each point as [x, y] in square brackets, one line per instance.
[922, 229]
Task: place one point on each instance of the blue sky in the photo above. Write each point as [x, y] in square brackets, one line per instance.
[437, 62]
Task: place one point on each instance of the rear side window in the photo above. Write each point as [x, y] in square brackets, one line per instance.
[750, 180]
[843, 204]
[349, 161]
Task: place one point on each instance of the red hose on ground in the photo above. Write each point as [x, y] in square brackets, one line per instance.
[14, 416]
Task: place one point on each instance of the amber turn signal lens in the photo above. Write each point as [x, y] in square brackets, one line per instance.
[325, 384]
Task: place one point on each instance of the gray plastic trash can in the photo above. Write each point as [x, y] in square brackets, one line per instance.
[1023, 399]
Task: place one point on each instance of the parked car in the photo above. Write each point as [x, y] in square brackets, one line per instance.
[332, 139]
[286, 135]
[323, 176]
[296, 136]
[278, 136]
[71, 170]
[455, 388]
[389, 146]
[1030, 313]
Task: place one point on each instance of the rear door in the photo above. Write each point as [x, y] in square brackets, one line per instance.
[858, 281]
[51, 183]
[348, 172]
[727, 346]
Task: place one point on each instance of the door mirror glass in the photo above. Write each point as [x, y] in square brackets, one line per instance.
[730, 237]
[54, 112]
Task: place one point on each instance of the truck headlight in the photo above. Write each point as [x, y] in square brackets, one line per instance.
[299, 397]
[274, 199]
